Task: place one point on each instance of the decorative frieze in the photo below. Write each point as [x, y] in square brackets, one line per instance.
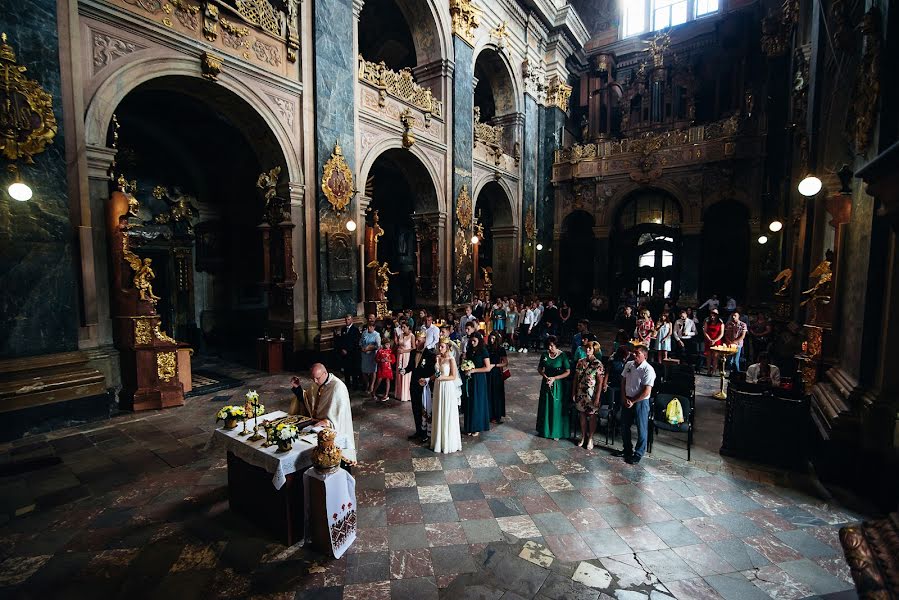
[558, 93]
[108, 48]
[466, 18]
[400, 85]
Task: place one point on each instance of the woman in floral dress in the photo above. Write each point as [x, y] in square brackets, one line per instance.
[589, 384]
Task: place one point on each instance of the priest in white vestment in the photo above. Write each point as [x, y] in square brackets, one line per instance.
[328, 401]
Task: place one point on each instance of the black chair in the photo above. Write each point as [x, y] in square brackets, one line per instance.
[609, 411]
[658, 421]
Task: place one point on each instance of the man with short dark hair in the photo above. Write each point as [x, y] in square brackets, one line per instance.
[734, 334]
[422, 363]
[465, 319]
[347, 346]
[637, 380]
[432, 333]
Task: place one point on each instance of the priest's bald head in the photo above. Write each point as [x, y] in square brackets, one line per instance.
[319, 373]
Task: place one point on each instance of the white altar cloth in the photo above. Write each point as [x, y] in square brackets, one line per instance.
[340, 508]
[279, 464]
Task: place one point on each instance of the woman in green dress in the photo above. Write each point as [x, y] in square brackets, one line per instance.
[552, 409]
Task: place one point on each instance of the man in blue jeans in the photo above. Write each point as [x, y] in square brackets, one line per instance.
[637, 380]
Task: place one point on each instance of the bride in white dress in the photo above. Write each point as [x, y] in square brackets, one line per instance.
[446, 436]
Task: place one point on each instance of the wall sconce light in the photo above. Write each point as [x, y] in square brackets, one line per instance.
[475, 239]
[763, 239]
[775, 226]
[539, 246]
[18, 190]
[351, 225]
[809, 186]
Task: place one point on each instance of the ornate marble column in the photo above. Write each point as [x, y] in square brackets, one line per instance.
[463, 142]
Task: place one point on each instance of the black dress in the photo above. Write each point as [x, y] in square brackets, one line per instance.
[496, 386]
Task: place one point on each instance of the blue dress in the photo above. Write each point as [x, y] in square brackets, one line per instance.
[368, 358]
[474, 399]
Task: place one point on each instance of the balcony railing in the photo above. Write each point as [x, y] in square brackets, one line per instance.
[400, 85]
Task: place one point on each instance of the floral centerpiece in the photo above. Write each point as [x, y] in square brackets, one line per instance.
[230, 415]
[285, 434]
[466, 366]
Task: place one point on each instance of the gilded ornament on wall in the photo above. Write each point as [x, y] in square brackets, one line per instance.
[465, 17]
[530, 225]
[337, 180]
[166, 366]
[26, 110]
[143, 334]
[464, 208]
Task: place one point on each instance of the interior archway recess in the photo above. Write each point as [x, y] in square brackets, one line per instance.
[576, 261]
[493, 209]
[495, 94]
[403, 192]
[259, 120]
[387, 27]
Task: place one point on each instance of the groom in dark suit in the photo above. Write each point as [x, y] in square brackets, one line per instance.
[422, 361]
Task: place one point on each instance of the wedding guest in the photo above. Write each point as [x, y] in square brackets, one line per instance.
[476, 403]
[564, 317]
[511, 324]
[496, 385]
[760, 334]
[645, 328]
[385, 359]
[763, 372]
[551, 318]
[421, 362]
[627, 321]
[712, 303]
[370, 342]
[734, 334]
[713, 330]
[684, 332]
[445, 434]
[347, 346]
[661, 339]
[328, 401]
[638, 378]
[432, 332]
[554, 368]
[589, 385]
[576, 340]
[403, 353]
[498, 317]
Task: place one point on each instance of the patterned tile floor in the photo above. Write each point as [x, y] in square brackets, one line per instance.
[136, 508]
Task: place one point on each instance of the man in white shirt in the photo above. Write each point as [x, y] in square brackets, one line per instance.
[684, 334]
[637, 380]
[465, 319]
[328, 401]
[432, 333]
[712, 303]
[763, 373]
[531, 318]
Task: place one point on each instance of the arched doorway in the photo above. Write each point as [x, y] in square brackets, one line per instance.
[495, 99]
[404, 198]
[200, 207]
[726, 237]
[493, 212]
[576, 256]
[646, 247]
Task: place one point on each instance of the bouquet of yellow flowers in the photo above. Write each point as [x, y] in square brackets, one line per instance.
[286, 433]
[466, 366]
[230, 412]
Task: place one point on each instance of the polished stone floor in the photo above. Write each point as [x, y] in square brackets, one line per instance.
[135, 508]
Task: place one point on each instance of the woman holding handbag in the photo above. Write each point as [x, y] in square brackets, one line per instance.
[496, 385]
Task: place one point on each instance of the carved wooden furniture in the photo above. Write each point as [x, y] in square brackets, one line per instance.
[270, 355]
[149, 357]
[752, 412]
[871, 549]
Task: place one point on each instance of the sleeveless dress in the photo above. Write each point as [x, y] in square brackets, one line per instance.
[511, 322]
[644, 331]
[402, 362]
[445, 434]
[499, 320]
[496, 386]
[713, 330]
[660, 343]
[476, 402]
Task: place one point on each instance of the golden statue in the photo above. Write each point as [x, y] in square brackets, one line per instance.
[787, 277]
[143, 276]
[382, 277]
[486, 271]
[821, 289]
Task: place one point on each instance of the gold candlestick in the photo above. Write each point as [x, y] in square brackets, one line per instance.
[255, 437]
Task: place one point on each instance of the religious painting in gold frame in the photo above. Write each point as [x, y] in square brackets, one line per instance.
[26, 110]
[337, 180]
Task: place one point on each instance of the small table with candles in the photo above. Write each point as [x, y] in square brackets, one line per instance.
[723, 351]
[266, 486]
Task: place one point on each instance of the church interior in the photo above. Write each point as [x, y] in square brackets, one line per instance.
[226, 224]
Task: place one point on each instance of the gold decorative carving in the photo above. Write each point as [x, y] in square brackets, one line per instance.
[210, 21]
[408, 121]
[530, 224]
[211, 65]
[234, 35]
[262, 14]
[466, 18]
[777, 29]
[143, 333]
[26, 110]
[657, 47]
[186, 13]
[489, 135]
[337, 180]
[161, 335]
[382, 277]
[558, 93]
[464, 208]
[400, 85]
[501, 33]
[166, 366]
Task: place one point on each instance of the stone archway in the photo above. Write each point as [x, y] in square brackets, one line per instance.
[497, 99]
[494, 211]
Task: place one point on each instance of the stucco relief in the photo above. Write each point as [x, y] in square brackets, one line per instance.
[107, 48]
[284, 107]
[392, 111]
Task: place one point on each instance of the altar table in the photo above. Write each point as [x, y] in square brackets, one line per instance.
[266, 486]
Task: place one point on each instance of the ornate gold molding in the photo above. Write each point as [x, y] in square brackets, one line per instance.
[530, 225]
[211, 65]
[408, 121]
[465, 17]
[26, 110]
[464, 208]
[143, 333]
[337, 180]
[400, 85]
[166, 366]
[558, 93]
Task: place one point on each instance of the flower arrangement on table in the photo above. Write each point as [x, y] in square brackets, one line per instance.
[230, 415]
[252, 408]
[466, 366]
[285, 434]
